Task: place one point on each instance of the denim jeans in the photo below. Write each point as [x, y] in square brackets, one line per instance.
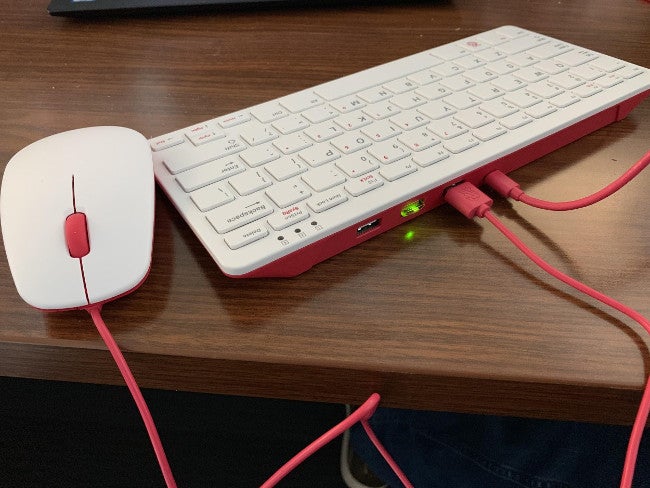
[448, 450]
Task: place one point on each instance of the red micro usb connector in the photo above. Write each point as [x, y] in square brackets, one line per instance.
[468, 200]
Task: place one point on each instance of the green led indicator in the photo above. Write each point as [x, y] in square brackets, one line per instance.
[411, 208]
[409, 235]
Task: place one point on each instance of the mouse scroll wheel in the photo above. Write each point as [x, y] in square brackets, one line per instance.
[76, 235]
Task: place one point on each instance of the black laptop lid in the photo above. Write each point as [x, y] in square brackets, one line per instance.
[82, 7]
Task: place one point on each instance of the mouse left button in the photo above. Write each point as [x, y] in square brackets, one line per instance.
[76, 235]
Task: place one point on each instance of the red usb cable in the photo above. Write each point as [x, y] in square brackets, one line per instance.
[509, 188]
[95, 313]
[362, 414]
[472, 202]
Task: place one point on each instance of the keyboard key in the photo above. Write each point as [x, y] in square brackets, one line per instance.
[486, 91]
[544, 89]
[541, 110]
[269, 112]
[198, 138]
[424, 77]
[522, 44]
[398, 170]
[285, 168]
[419, 140]
[480, 75]
[290, 124]
[552, 66]
[234, 119]
[607, 64]
[287, 193]
[388, 152]
[523, 59]
[408, 100]
[499, 108]
[489, 131]
[430, 156]
[326, 200]
[256, 156]
[210, 172]
[288, 216]
[566, 80]
[460, 144]
[245, 235]
[363, 184]
[509, 83]
[324, 131]
[469, 62]
[587, 72]
[564, 100]
[381, 130]
[164, 142]
[522, 98]
[550, 50]
[587, 90]
[177, 158]
[351, 121]
[608, 81]
[258, 134]
[355, 166]
[292, 143]
[434, 92]
[300, 101]
[401, 85]
[473, 118]
[349, 143]
[461, 101]
[531, 74]
[457, 83]
[517, 120]
[347, 104]
[577, 57]
[250, 182]
[319, 114]
[324, 178]
[211, 196]
[381, 110]
[239, 213]
[409, 120]
[375, 94]
[436, 110]
[447, 129]
[317, 155]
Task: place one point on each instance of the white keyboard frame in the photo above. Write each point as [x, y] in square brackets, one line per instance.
[337, 229]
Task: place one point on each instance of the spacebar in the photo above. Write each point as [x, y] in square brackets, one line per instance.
[375, 76]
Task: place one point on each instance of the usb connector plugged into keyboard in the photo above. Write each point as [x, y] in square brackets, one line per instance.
[276, 188]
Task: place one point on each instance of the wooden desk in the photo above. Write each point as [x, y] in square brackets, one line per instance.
[400, 316]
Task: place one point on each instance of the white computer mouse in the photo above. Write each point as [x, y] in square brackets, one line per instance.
[77, 211]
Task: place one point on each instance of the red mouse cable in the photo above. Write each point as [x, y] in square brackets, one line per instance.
[472, 202]
[362, 414]
[95, 313]
[509, 188]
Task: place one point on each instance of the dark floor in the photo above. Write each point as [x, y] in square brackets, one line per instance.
[71, 435]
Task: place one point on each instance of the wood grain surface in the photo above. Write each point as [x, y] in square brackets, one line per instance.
[440, 313]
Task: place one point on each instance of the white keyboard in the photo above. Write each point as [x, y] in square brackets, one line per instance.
[273, 189]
